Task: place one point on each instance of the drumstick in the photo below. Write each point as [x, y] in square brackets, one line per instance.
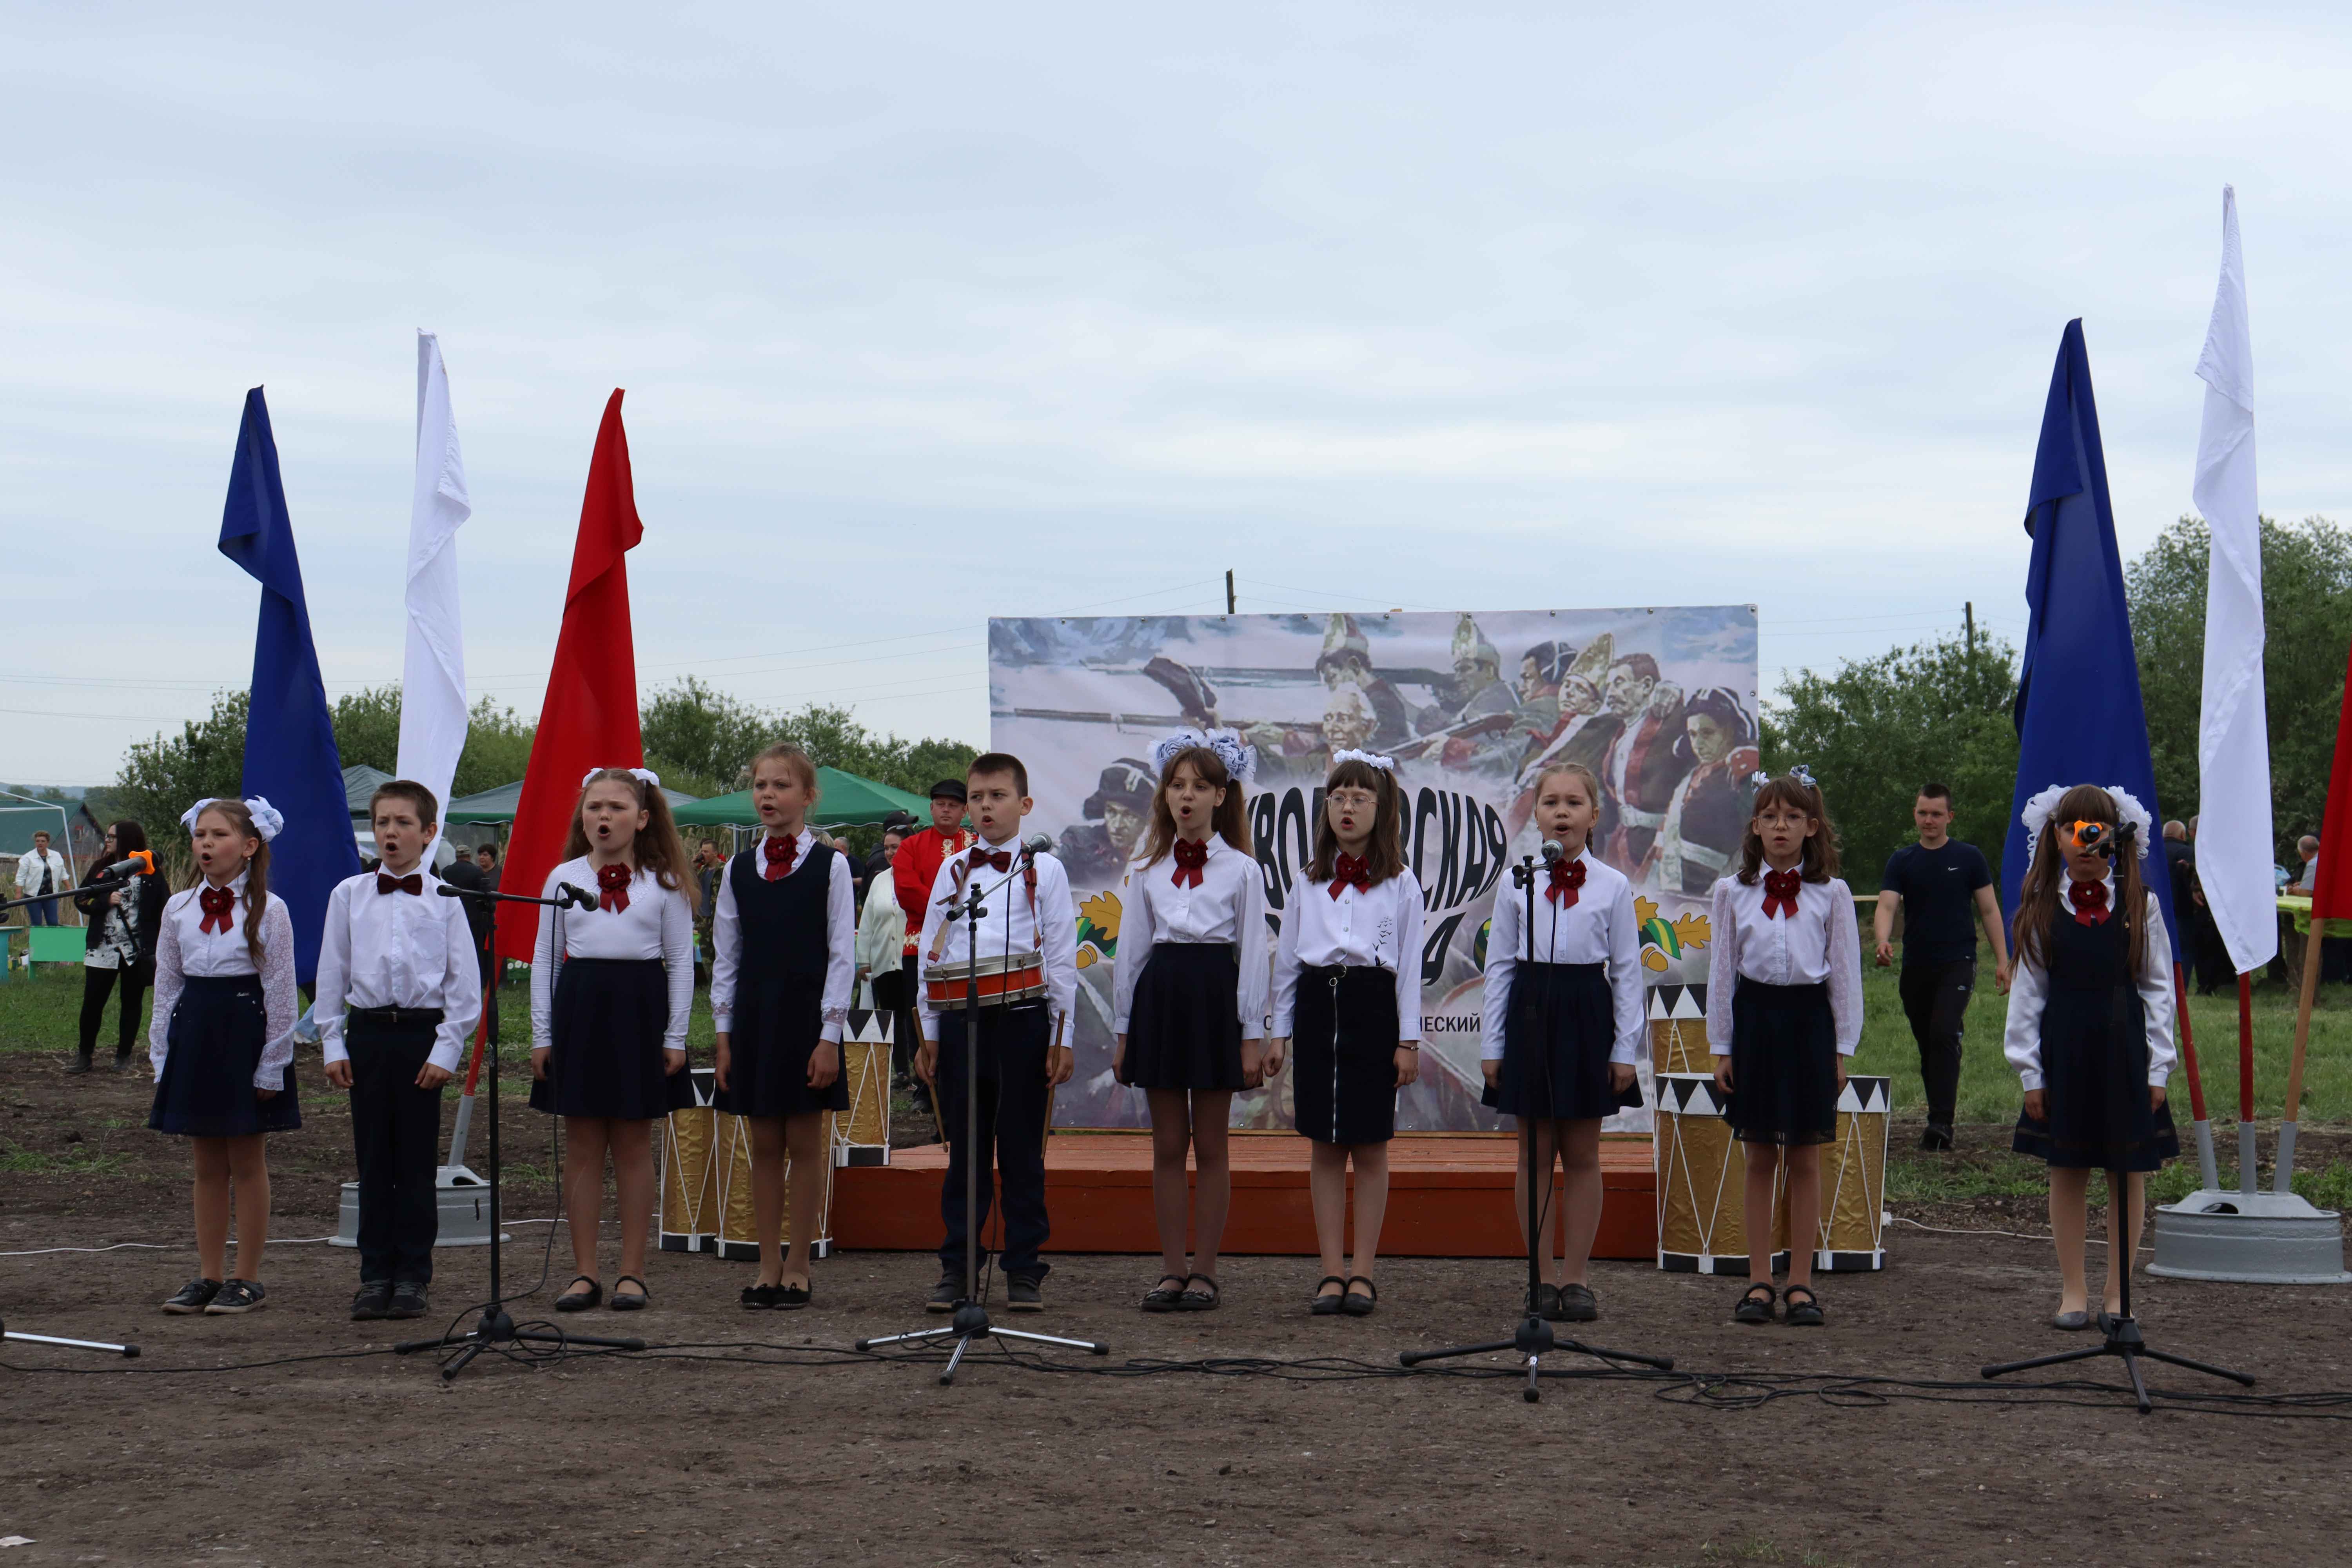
[1051, 1087]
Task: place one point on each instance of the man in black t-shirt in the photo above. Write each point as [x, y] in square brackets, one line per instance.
[1944, 889]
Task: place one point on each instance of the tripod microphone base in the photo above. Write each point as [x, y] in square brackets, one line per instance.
[2123, 1339]
[497, 1327]
[971, 1323]
[1534, 1340]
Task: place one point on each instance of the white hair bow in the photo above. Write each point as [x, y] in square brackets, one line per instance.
[1239, 757]
[645, 776]
[266, 819]
[2036, 815]
[1369, 759]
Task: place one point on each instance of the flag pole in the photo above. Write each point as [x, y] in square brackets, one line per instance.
[2246, 1175]
[2208, 1174]
[2283, 1179]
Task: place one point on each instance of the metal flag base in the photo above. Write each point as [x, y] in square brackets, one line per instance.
[971, 1323]
[2256, 1238]
[464, 1200]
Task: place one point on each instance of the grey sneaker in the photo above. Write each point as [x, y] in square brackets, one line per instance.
[237, 1296]
[1021, 1295]
[409, 1300]
[945, 1294]
[373, 1301]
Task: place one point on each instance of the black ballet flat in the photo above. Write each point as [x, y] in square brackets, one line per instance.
[1159, 1299]
[759, 1298]
[1323, 1306]
[1756, 1304]
[580, 1300]
[1193, 1300]
[1360, 1303]
[793, 1298]
[636, 1301]
[1806, 1314]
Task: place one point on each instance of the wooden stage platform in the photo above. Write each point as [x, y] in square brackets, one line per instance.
[1449, 1197]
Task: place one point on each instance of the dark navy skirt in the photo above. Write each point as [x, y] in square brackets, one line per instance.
[1184, 1028]
[1783, 1064]
[1557, 1038]
[778, 1024]
[2094, 1087]
[1343, 1047]
[211, 1052]
[607, 1059]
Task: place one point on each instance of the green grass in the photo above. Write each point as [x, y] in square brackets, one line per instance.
[76, 1160]
[1989, 1088]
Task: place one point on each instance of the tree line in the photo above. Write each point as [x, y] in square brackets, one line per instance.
[697, 738]
[1876, 729]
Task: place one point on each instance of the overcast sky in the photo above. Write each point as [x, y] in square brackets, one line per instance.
[927, 313]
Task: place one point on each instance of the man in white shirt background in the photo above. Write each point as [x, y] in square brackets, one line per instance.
[41, 871]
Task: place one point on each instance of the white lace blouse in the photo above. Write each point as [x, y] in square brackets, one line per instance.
[1599, 928]
[1820, 942]
[1229, 905]
[184, 950]
[658, 923]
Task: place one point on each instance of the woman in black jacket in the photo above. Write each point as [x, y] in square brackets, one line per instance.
[122, 918]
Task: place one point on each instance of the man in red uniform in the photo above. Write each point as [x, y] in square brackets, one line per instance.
[917, 866]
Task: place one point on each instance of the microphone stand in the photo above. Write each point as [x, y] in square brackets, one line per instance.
[496, 1328]
[2123, 1335]
[1535, 1338]
[971, 1320]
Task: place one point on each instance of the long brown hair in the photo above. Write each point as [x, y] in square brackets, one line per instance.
[256, 871]
[1820, 848]
[1230, 821]
[657, 848]
[1385, 853]
[2046, 878]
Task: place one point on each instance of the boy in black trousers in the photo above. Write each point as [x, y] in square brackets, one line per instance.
[399, 989]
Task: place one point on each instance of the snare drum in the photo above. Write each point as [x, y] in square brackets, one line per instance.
[1006, 977]
[1702, 1182]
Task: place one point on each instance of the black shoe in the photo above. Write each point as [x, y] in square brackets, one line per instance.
[945, 1294]
[1022, 1294]
[1544, 1302]
[122, 1061]
[1160, 1298]
[1755, 1304]
[373, 1302]
[793, 1298]
[1322, 1306]
[1360, 1303]
[635, 1300]
[573, 1300]
[409, 1300]
[1576, 1305]
[80, 1065]
[237, 1296]
[1935, 1139]
[759, 1298]
[193, 1297]
[1804, 1314]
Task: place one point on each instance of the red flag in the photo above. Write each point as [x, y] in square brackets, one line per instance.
[590, 717]
[2331, 887]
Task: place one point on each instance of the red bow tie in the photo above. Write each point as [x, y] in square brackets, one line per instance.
[1567, 875]
[386, 883]
[999, 859]
[1350, 872]
[1781, 892]
[1190, 858]
[218, 904]
[779, 853]
[2090, 902]
[612, 887]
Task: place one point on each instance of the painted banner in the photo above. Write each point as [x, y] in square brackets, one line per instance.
[1660, 704]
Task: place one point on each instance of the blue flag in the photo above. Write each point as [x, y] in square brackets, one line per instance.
[290, 739]
[2078, 713]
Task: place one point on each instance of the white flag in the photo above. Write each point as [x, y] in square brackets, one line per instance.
[2233, 754]
[433, 672]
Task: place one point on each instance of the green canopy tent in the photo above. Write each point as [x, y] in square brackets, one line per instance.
[844, 800]
[499, 805]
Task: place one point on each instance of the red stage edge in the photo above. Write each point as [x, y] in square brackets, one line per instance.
[1449, 1197]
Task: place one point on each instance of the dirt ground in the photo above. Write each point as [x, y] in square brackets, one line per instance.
[732, 1453]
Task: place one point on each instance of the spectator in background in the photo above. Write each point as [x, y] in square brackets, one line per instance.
[123, 918]
[465, 874]
[895, 828]
[2305, 874]
[2203, 943]
[917, 866]
[486, 858]
[40, 873]
[709, 865]
[1943, 889]
[881, 941]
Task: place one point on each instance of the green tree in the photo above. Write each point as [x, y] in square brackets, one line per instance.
[163, 777]
[2307, 611]
[498, 749]
[1877, 729]
[367, 728]
[699, 739]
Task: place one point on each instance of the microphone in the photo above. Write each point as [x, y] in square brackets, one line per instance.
[1038, 843]
[580, 897]
[446, 891]
[140, 863]
[1552, 851]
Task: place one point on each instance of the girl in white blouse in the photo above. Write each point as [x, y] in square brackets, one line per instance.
[1347, 984]
[1783, 1011]
[2090, 1018]
[1564, 1022]
[223, 1040]
[608, 1014]
[1189, 995]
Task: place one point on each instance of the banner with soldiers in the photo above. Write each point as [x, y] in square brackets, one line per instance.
[1661, 704]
